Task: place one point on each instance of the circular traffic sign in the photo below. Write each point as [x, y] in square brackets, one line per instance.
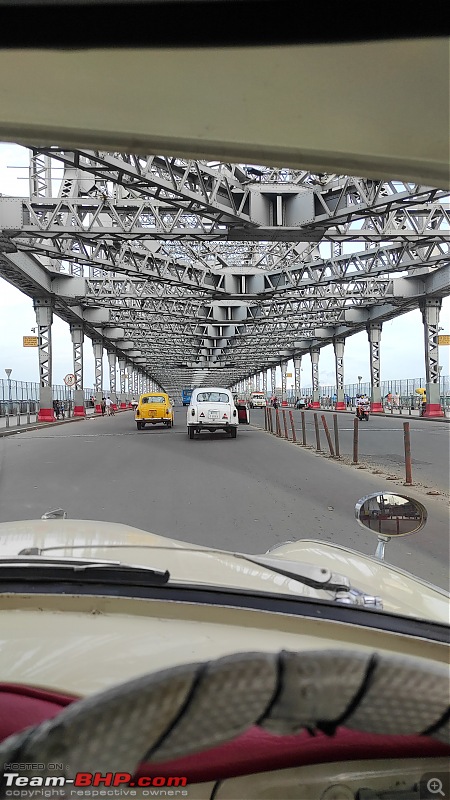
[69, 380]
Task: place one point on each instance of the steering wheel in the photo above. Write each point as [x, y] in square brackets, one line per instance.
[193, 707]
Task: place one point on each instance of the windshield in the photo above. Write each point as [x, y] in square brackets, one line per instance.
[159, 400]
[314, 283]
[212, 397]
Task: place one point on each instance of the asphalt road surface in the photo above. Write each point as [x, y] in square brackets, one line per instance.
[245, 494]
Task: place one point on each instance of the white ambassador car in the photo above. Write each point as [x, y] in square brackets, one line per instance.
[212, 409]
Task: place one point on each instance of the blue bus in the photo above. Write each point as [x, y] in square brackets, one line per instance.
[186, 395]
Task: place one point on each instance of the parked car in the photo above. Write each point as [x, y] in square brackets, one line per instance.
[154, 408]
[212, 409]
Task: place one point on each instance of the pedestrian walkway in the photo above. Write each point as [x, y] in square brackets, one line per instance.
[22, 423]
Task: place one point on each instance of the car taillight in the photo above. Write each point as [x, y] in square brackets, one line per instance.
[193, 412]
[234, 413]
[137, 412]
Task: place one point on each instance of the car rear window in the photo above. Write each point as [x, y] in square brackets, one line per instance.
[153, 400]
[213, 397]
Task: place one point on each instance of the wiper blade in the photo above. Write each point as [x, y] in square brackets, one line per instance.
[316, 577]
[38, 569]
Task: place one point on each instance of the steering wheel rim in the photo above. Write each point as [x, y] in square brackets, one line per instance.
[193, 707]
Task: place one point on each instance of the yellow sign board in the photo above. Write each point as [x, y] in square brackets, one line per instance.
[444, 338]
[30, 341]
[288, 374]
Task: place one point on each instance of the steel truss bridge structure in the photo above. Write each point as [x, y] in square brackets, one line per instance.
[205, 273]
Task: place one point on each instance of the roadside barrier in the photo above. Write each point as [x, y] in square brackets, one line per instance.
[294, 435]
[327, 434]
[355, 439]
[286, 435]
[407, 443]
[277, 423]
[303, 429]
[336, 436]
[316, 425]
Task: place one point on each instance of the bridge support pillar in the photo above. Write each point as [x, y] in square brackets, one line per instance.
[264, 382]
[273, 380]
[339, 345]
[112, 361]
[97, 346]
[297, 376]
[315, 353]
[77, 334]
[374, 334]
[129, 370]
[44, 317]
[122, 375]
[430, 315]
[258, 381]
[283, 366]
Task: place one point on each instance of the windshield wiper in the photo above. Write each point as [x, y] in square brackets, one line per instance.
[32, 569]
[316, 577]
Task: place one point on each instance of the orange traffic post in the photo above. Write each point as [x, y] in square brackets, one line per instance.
[336, 436]
[327, 434]
[407, 442]
[286, 435]
[294, 435]
[277, 419]
[303, 429]
[316, 425]
[355, 440]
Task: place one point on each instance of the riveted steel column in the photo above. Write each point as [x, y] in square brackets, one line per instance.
[112, 360]
[273, 379]
[430, 315]
[339, 345]
[258, 381]
[122, 364]
[283, 366]
[249, 385]
[315, 353]
[44, 318]
[129, 370]
[97, 346]
[297, 376]
[77, 334]
[374, 334]
[264, 382]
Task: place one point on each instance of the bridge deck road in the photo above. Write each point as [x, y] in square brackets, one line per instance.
[381, 442]
[244, 494]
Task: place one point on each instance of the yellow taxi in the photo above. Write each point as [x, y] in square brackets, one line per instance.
[154, 408]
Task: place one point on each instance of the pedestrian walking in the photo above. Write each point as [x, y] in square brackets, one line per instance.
[56, 408]
[103, 406]
[108, 406]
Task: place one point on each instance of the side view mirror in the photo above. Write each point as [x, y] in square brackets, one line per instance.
[390, 515]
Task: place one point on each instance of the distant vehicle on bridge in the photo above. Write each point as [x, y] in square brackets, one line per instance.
[258, 400]
[212, 409]
[186, 395]
[154, 408]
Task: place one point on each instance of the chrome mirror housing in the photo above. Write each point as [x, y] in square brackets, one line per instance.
[390, 515]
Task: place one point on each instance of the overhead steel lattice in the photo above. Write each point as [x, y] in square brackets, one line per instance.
[209, 272]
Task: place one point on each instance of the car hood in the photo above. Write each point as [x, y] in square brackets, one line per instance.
[401, 592]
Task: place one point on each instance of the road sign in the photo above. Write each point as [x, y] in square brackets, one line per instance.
[69, 380]
[444, 338]
[30, 341]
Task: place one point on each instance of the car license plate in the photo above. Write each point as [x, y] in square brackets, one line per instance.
[153, 413]
[213, 414]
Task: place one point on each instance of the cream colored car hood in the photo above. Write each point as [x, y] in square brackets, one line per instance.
[191, 564]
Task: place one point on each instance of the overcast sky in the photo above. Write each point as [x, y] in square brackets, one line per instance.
[402, 345]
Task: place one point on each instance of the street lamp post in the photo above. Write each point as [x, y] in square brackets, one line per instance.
[8, 375]
[360, 377]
